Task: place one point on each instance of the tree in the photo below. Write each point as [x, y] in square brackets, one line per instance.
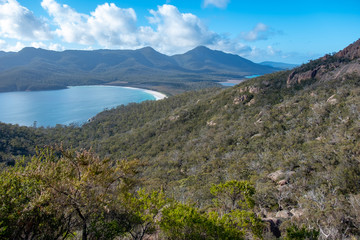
[235, 203]
[183, 221]
[62, 192]
[146, 209]
[233, 195]
[23, 217]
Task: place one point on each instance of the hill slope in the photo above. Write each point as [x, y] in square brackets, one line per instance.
[33, 69]
[297, 142]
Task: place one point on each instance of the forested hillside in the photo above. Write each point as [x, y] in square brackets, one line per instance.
[275, 156]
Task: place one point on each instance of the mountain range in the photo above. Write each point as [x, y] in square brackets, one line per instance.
[36, 69]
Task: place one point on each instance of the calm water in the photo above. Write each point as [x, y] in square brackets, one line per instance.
[66, 106]
[252, 76]
[230, 84]
[227, 84]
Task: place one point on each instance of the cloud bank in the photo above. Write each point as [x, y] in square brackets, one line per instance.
[19, 22]
[259, 32]
[109, 26]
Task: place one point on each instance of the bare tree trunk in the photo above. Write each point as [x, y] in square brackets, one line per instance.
[84, 231]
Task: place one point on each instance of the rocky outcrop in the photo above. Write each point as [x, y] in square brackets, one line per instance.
[280, 175]
[282, 182]
[332, 100]
[342, 70]
[252, 101]
[329, 67]
[351, 52]
[283, 214]
[275, 176]
[240, 99]
[298, 77]
[174, 118]
[250, 89]
[211, 123]
[297, 213]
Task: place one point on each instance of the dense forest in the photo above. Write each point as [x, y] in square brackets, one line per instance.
[269, 158]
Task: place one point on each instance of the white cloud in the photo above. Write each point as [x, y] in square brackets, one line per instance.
[18, 22]
[51, 46]
[39, 45]
[56, 47]
[72, 25]
[176, 30]
[10, 46]
[2, 43]
[108, 25]
[112, 27]
[4, 46]
[259, 32]
[217, 3]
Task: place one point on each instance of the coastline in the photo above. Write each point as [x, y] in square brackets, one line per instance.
[157, 95]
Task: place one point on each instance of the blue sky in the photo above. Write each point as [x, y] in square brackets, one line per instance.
[284, 31]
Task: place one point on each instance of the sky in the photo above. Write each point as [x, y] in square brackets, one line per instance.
[290, 31]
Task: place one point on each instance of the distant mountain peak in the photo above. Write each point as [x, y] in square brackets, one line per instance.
[198, 50]
[147, 48]
[203, 58]
[28, 49]
[32, 49]
[202, 48]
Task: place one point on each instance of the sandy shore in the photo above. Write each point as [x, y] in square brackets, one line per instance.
[157, 95]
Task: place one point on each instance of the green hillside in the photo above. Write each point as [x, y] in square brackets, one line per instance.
[295, 142]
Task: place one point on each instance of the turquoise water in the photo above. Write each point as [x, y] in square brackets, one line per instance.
[252, 76]
[67, 106]
[230, 84]
[227, 84]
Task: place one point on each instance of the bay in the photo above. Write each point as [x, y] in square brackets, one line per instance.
[74, 105]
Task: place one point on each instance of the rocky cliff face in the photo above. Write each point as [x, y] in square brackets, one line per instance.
[344, 62]
[351, 52]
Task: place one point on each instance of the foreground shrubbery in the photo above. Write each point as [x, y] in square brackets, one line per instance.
[62, 194]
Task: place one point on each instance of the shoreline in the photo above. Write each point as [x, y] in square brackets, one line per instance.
[157, 95]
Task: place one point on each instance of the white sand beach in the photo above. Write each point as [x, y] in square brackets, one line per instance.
[157, 95]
